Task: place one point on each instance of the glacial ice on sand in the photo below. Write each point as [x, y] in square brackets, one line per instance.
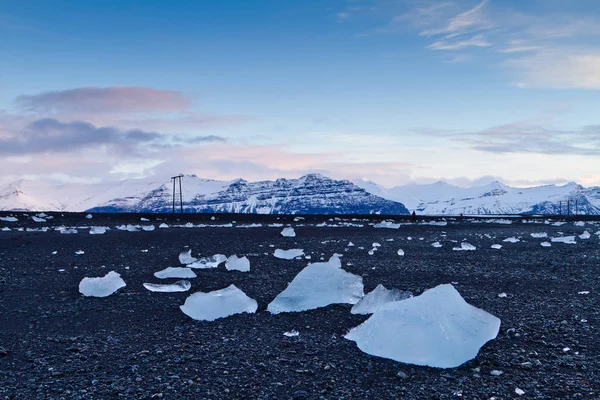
[288, 254]
[288, 232]
[511, 240]
[98, 230]
[185, 257]
[319, 285]
[400, 252]
[585, 235]
[179, 286]
[208, 262]
[89, 216]
[546, 244]
[465, 246]
[437, 329]
[235, 263]
[8, 219]
[436, 244]
[175, 272]
[218, 304]
[387, 225]
[102, 286]
[496, 246]
[378, 297]
[564, 239]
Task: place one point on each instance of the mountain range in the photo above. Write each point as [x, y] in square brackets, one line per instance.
[309, 194]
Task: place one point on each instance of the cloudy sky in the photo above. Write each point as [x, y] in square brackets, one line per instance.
[393, 91]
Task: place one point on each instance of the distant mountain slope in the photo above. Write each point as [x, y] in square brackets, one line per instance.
[495, 198]
[310, 194]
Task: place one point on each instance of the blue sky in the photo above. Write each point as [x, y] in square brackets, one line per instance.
[392, 91]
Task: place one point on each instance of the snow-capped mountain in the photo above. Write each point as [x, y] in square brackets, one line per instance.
[494, 198]
[310, 194]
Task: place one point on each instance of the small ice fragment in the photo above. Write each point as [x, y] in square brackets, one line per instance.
[80, 252]
[8, 219]
[179, 286]
[212, 218]
[465, 246]
[148, 228]
[350, 244]
[579, 223]
[436, 244]
[502, 295]
[319, 285]
[389, 240]
[585, 235]
[144, 219]
[293, 333]
[6, 229]
[378, 297]
[288, 254]
[409, 238]
[103, 286]
[376, 245]
[539, 235]
[66, 231]
[144, 250]
[234, 263]
[546, 244]
[496, 372]
[185, 257]
[208, 262]
[163, 225]
[496, 246]
[520, 392]
[175, 272]
[55, 252]
[298, 219]
[564, 239]
[37, 219]
[584, 292]
[387, 224]
[89, 216]
[438, 329]
[511, 240]
[129, 228]
[218, 304]
[98, 230]
[400, 252]
[372, 251]
[565, 349]
[288, 232]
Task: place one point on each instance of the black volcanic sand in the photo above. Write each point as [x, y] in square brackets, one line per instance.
[135, 344]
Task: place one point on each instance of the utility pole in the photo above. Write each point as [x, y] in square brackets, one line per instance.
[174, 178]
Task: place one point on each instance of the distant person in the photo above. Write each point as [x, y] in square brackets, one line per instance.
[414, 216]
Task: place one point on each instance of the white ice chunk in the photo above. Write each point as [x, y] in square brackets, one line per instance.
[436, 244]
[511, 240]
[437, 329]
[79, 252]
[375, 245]
[129, 228]
[496, 246]
[163, 225]
[502, 295]
[208, 262]
[579, 223]
[148, 228]
[37, 219]
[288, 232]
[103, 286]
[8, 219]
[89, 216]
[319, 285]
[185, 257]
[6, 229]
[585, 235]
[564, 239]
[234, 263]
[218, 304]
[350, 244]
[539, 235]
[288, 254]
[387, 224]
[378, 297]
[175, 272]
[400, 252]
[292, 333]
[144, 219]
[546, 244]
[179, 286]
[520, 392]
[98, 230]
[465, 246]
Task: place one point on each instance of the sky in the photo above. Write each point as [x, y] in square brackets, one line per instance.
[392, 91]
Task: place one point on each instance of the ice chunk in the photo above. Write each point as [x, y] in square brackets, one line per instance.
[129, 228]
[288, 254]
[163, 225]
[89, 216]
[378, 297]
[436, 244]
[103, 286]
[292, 333]
[585, 235]
[546, 244]
[38, 219]
[375, 245]
[579, 223]
[175, 272]
[437, 329]
[79, 252]
[66, 231]
[148, 228]
[288, 232]
[185, 257]
[520, 392]
[539, 235]
[511, 240]
[564, 239]
[350, 244]
[400, 252]
[6, 229]
[387, 224]
[218, 304]
[465, 246]
[98, 230]
[234, 263]
[179, 286]
[144, 219]
[208, 262]
[502, 295]
[8, 219]
[496, 246]
[319, 285]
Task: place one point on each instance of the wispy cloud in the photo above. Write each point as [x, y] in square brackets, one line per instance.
[475, 41]
[471, 20]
